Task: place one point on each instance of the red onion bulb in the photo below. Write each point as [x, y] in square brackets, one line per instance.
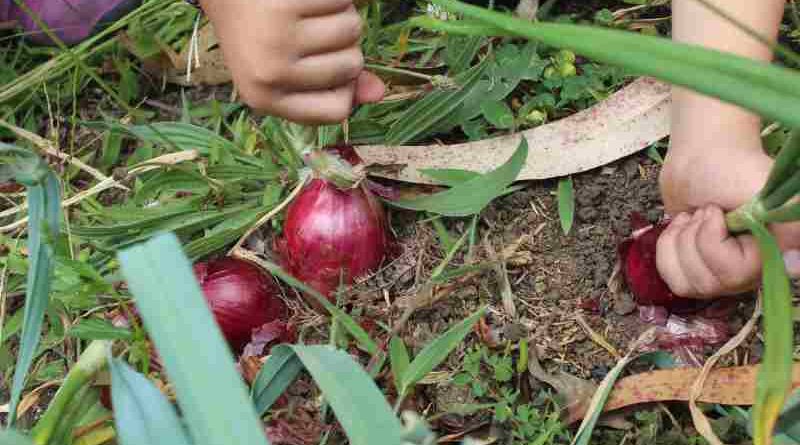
[241, 296]
[333, 236]
[638, 256]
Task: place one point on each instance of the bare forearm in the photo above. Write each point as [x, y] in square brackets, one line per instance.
[700, 122]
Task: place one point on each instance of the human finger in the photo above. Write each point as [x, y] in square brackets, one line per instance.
[702, 281]
[734, 260]
[325, 71]
[323, 34]
[316, 107]
[369, 88]
[667, 259]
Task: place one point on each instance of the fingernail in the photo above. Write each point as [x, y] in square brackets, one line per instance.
[791, 258]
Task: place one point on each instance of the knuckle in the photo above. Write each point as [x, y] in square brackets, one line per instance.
[355, 63]
[353, 26]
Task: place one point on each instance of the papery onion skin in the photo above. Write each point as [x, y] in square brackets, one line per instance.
[241, 296]
[638, 256]
[10, 187]
[333, 236]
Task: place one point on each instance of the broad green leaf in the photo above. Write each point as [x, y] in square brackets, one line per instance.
[210, 392]
[437, 351]
[450, 177]
[498, 114]
[398, 356]
[97, 329]
[11, 437]
[357, 402]
[472, 196]
[566, 204]
[142, 415]
[181, 135]
[278, 372]
[775, 373]
[766, 89]
[460, 52]
[44, 213]
[359, 405]
[433, 108]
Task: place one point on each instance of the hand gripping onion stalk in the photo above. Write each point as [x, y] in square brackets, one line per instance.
[776, 203]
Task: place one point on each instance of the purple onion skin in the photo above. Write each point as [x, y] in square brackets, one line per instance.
[241, 296]
[334, 236]
[638, 256]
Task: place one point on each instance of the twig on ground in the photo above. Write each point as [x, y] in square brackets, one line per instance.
[597, 337]
[701, 423]
[167, 159]
[50, 149]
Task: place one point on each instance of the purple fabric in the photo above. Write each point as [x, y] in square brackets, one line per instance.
[71, 20]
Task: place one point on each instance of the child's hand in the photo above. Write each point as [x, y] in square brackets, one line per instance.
[298, 59]
[696, 255]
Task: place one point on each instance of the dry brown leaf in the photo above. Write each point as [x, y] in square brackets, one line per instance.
[628, 121]
[725, 386]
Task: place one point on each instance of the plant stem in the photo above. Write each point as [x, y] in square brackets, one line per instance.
[783, 193]
[334, 169]
[737, 220]
[89, 363]
[786, 213]
[96, 437]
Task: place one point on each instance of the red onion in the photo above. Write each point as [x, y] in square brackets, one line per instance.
[334, 235]
[638, 256]
[241, 296]
[10, 187]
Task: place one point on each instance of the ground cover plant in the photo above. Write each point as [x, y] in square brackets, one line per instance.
[150, 257]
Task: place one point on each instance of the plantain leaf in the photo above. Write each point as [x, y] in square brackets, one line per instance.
[566, 204]
[435, 352]
[775, 373]
[142, 415]
[210, 392]
[44, 213]
[764, 88]
[472, 196]
[426, 113]
[97, 329]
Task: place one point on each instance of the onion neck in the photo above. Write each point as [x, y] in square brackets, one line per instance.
[736, 220]
[335, 170]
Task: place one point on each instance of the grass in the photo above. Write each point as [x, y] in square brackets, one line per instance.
[246, 167]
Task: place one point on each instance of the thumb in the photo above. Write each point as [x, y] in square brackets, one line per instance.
[369, 88]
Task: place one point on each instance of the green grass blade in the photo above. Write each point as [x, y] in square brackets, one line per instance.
[399, 358]
[775, 373]
[359, 405]
[437, 351]
[764, 88]
[566, 204]
[44, 212]
[278, 372]
[210, 392]
[472, 196]
[142, 415]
